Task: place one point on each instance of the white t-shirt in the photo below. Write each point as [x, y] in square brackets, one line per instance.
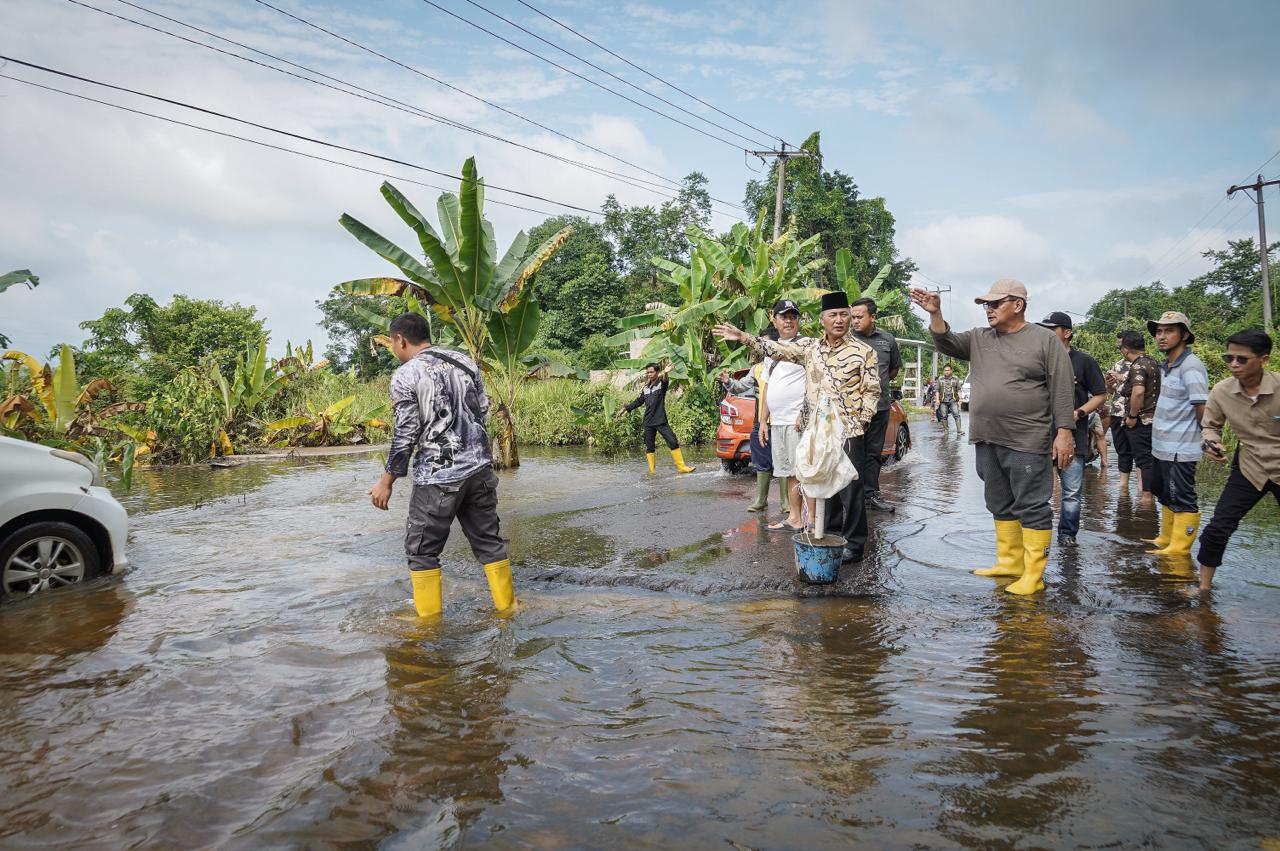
[784, 391]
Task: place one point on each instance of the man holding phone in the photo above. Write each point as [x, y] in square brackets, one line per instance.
[1250, 402]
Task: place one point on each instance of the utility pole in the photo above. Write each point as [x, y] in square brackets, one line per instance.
[934, 366]
[1257, 186]
[783, 155]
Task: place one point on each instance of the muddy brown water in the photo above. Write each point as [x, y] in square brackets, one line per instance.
[257, 681]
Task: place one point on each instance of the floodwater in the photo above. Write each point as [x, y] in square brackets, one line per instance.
[257, 680]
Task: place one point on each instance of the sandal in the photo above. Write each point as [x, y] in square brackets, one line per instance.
[783, 525]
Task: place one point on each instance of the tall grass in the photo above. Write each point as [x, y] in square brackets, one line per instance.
[564, 412]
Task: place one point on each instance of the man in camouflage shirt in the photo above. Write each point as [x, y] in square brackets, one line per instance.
[440, 408]
[949, 398]
[1140, 392]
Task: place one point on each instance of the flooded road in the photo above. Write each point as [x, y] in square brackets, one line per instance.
[258, 681]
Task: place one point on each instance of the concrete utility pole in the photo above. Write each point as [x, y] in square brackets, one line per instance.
[1257, 186]
[783, 155]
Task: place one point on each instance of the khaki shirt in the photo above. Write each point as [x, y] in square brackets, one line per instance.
[1255, 422]
[848, 372]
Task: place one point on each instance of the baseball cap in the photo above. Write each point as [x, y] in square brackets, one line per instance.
[1172, 317]
[785, 305]
[1057, 319]
[1004, 288]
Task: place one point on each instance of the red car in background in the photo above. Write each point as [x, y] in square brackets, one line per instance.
[738, 415]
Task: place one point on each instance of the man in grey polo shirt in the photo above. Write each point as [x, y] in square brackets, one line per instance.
[1021, 422]
[1175, 434]
[862, 319]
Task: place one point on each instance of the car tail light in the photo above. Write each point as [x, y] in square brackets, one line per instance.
[727, 413]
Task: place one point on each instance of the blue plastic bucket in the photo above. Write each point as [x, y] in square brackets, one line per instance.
[818, 559]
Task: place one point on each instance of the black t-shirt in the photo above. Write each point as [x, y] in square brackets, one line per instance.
[1088, 383]
[654, 398]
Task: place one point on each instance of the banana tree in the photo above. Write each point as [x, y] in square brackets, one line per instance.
[736, 281]
[484, 299]
[61, 411]
[887, 302]
[339, 422]
[9, 279]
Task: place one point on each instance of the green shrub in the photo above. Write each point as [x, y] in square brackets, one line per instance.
[186, 414]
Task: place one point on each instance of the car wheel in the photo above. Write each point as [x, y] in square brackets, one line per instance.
[44, 557]
[901, 443]
[733, 466]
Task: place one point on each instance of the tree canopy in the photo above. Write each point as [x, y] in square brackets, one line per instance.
[147, 344]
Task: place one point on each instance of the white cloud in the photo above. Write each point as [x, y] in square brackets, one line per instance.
[972, 251]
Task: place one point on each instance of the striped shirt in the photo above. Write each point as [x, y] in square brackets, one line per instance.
[847, 372]
[1175, 431]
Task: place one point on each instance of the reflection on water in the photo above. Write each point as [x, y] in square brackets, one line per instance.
[257, 680]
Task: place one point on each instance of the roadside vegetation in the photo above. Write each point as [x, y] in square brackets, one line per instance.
[193, 379]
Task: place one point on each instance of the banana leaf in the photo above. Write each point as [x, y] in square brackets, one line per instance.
[394, 254]
[475, 263]
[511, 334]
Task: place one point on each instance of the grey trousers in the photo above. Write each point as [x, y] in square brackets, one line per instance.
[432, 508]
[1017, 485]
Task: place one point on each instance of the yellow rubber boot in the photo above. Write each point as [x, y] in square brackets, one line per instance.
[653, 462]
[680, 465]
[1008, 550]
[426, 591]
[1035, 552]
[1185, 525]
[1166, 529]
[499, 573]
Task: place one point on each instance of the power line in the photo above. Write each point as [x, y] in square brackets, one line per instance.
[260, 143]
[1200, 246]
[480, 99]
[582, 77]
[609, 73]
[1193, 247]
[1221, 200]
[642, 70]
[287, 133]
[376, 97]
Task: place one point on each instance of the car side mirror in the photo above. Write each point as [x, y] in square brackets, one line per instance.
[896, 394]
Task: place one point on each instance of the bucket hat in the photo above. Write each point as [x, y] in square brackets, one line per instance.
[1172, 317]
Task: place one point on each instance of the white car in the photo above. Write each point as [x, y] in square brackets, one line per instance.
[59, 525]
[964, 395]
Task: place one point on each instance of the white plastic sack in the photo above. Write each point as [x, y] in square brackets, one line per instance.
[821, 465]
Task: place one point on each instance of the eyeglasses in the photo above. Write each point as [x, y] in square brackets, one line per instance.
[1240, 359]
[995, 305]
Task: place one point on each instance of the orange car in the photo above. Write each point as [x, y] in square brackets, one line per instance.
[737, 415]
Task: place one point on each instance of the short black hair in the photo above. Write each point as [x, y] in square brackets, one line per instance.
[414, 327]
[1133, 341]
[868, 303]
[653, 366]
[948, 366]
[1255, 341]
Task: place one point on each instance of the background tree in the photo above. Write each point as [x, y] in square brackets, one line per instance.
[579, 289]
[639, 234]
[351, 331]
[145, 345]
[828, 203]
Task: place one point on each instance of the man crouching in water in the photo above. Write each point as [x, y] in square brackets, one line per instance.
[440, 407]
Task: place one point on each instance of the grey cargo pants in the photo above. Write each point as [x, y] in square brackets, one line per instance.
[1017, 485]
[432, 508]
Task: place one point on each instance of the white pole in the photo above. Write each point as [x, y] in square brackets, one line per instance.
[819, 518]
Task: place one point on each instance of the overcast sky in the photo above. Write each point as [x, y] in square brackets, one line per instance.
[1076, 146]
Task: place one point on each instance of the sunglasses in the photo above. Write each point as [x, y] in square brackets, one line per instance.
[995, 305]
[1240, 359]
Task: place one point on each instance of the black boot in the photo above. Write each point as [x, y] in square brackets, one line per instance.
[876, 503]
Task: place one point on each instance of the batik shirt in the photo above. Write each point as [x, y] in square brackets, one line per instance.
[440, 411]
[847, 372]
[1120, 395]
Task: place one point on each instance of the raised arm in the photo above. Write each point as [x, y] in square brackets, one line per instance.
[793, 352]
[947, 341]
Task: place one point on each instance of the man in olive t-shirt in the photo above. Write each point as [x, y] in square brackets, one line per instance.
[1021, 421]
